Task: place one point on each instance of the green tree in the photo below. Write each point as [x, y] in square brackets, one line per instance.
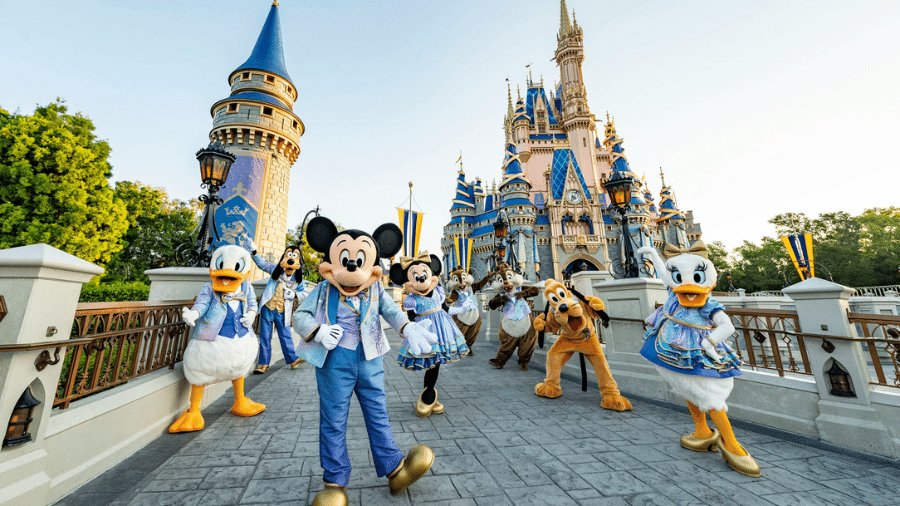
[757, 268]
[53, 185]
[157, 225]
[718, 255]
[311, 257]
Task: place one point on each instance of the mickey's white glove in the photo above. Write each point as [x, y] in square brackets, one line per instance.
[329, 336]
[455, 310]
[189, 316]
[251, 245]
[418, 338]
[248, 319]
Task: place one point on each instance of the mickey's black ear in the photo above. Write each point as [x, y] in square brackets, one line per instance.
[398, 273]
[435, 265]
[320, 232]
[389, 239]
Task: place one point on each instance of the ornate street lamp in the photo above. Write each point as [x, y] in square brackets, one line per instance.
[500, 229]
[215, 164]
[840, 381]
[17, 429]
[730, 284]
[618, 187]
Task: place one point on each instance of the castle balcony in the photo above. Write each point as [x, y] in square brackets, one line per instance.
[588, 243]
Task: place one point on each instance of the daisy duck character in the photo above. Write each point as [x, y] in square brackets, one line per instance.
[222, 344]
[463, 306]
[340, 322]
[685, 340]
[277, 305]
[419, 277]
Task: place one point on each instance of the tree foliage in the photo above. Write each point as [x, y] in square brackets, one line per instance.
[53, 185]
[311, 257]
[157, 225]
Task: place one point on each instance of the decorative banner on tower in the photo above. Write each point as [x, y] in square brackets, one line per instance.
[800, 249]
[411, 225]
[463, 249]
[242, 194]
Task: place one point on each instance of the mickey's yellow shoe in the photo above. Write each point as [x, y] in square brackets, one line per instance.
[331, 495]
[413, 467]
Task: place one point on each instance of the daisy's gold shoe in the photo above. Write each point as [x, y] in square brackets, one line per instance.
[697, 444]
[743, 464]
[413, 467]
[424, 410]
[331, 495]
[436, 408]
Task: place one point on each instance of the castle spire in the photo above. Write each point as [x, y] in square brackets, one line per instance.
[268, 53]
[509, 113]
[564, 25]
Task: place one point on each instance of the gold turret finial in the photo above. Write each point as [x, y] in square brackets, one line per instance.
[662, 177]
[275, 3]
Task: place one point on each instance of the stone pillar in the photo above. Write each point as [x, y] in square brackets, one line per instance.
[176, 283]
[584, 281]
[822, 309]
[41, 286]
[635, 299]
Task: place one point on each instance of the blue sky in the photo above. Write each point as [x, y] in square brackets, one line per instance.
[752, 108]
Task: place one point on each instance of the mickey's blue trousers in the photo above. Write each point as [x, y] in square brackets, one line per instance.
[267, 317]
[345, 372]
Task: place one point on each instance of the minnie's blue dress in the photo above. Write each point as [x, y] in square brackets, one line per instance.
[451, 343]
[673, 340]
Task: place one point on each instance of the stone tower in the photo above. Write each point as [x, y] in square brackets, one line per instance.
[257, 124]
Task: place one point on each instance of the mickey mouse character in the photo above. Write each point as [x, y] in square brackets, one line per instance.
[277, 304]
[516, 330]
[222, 345]
[419, 276]
[341, 325]
[463, 306]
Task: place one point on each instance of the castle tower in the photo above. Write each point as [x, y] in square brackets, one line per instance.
[257, 124]
[515, 190]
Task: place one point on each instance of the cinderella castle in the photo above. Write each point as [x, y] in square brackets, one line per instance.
[558, 216]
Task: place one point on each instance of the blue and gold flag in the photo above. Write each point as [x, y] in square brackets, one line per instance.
[463, 249]
[800, 249]
[411, 225]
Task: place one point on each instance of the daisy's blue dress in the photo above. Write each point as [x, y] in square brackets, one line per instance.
[451, 343]
[673, 340]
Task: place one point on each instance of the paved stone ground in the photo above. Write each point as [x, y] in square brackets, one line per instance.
[497, 444]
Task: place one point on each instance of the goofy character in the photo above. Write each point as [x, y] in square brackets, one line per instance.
[340, 322]
[277, 304]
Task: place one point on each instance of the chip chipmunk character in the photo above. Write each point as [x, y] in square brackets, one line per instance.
[516, 330]
[463, 306]
[222, 345]
[419, 276]
[572, 316]
[340, 323]
[277, 304]
[685, 340]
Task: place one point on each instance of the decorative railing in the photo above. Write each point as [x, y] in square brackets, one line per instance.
[113, 343]
[770, 339]
[877, 291]
[881, 338]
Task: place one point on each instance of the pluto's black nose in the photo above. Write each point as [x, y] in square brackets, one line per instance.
[563, 308]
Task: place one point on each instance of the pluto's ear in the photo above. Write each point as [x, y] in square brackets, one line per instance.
[320, 232]
[398, 274]
[389, 239]
[435, 265]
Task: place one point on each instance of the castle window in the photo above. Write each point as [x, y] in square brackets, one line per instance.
[295, 124]
[270, 79]
[232, 108]
[245, 76]
[267, 111]
[584, 141]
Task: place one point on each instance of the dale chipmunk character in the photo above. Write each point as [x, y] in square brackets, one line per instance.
[572, 316]
[685, 340]
[277, 305]
[419, 277]
[222, 344]
[340, 322]
[463, 307]
[515, 327]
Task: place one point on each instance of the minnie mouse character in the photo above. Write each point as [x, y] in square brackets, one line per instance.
[277, 303]
[419, 276]
[340, 322]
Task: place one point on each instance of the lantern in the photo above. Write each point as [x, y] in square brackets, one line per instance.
[840, 381]
[215, 163]
[17, 430]
[618, 188]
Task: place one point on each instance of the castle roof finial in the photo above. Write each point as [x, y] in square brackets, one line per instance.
[564, 25]
[509, 99]
[268, 53]
[662, 177]
[275, 3]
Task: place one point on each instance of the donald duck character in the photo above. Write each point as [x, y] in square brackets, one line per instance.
[340, 322]
[222, 343]
[277, 303]
[685, 340]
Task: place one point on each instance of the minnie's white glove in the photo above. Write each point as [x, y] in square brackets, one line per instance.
[329, 336]
[189, 316]
[418, 338]
[248, 319]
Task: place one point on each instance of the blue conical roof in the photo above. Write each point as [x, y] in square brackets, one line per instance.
[512, 169]
[268, 53]
[465, 198]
